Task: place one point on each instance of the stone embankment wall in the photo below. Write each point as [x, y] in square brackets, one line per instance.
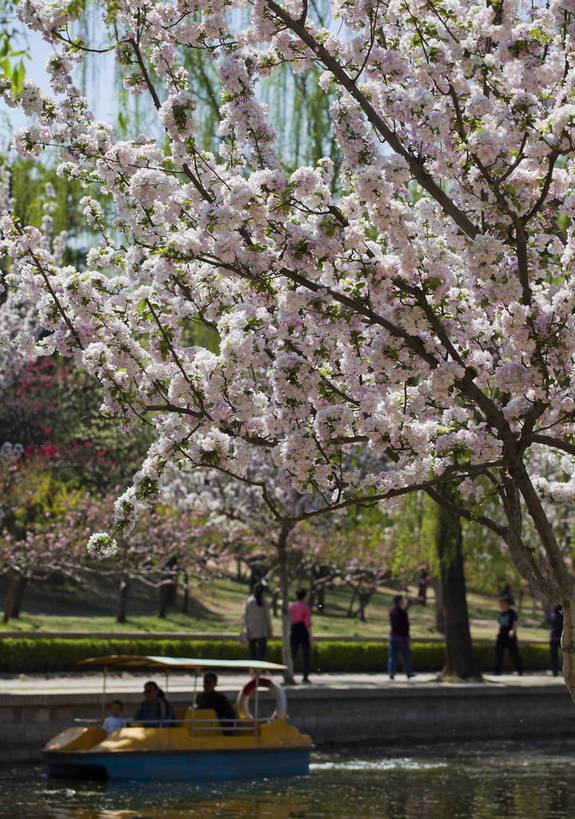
[338, 714]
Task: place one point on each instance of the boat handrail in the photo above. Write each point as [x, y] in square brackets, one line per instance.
[210, 722]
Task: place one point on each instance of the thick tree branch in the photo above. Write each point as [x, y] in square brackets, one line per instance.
[416, 165]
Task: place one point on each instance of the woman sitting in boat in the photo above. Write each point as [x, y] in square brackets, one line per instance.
[210, 698]
[155, 711]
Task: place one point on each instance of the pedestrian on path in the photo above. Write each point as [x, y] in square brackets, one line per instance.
[257, 623]
[399, 639]
[555, 638]
[507, 636]
[300, 616]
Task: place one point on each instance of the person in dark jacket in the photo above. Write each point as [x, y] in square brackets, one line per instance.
[507, 636]
[210, 698]
[555, 638]
[399, 639]
[155, 711]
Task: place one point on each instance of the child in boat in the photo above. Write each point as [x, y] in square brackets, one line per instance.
[114, 721]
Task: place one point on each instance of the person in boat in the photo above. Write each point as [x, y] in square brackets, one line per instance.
[257, 623]
[114, 721]
[300, 616]
[155, 711]
[210, 698]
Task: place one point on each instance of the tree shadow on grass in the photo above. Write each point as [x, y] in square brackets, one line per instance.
[98, 598]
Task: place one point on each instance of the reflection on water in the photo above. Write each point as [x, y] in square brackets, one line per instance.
[481, 781]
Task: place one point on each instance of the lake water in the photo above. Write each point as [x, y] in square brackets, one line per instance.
[469, 781]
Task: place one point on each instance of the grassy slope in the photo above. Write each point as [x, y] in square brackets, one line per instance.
[217, 607]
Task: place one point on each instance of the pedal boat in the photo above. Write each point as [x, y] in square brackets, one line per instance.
[197, 746]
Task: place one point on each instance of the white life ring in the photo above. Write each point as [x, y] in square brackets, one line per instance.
[242, 703]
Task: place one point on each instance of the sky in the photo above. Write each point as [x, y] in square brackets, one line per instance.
[99, 82]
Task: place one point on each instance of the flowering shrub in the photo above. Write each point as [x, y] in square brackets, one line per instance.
[47, 527]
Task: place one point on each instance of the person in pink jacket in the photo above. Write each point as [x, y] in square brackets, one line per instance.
[300, 616]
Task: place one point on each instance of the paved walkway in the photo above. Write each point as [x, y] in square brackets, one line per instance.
[126, 682]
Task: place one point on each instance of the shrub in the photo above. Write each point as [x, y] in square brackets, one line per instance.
[18, 655]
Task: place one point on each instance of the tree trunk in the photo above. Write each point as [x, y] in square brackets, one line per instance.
[10, 597]
[275, 600]
[186, 600]
[21, 584]
[364, 598]
[163, 599]
[439, 613]
[459, 660]
[284, 591]
[568, 645]
[312, 591]
[547, 610]
[123, 599]
[168, 592]
[351, 602]
[316, 598]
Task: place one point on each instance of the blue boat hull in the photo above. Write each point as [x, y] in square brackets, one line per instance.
[197, 766]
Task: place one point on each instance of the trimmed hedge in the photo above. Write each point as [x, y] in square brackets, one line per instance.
[38, 655]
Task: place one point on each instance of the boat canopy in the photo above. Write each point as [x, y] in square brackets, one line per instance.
[133, 661]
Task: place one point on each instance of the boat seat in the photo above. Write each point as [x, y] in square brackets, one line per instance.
[208, 724]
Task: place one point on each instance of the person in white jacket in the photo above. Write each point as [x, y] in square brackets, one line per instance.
[257, 623]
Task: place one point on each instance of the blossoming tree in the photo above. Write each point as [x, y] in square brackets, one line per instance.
[424, 309]
[240, 510]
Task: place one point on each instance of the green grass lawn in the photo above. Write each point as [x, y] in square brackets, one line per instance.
[217, 607]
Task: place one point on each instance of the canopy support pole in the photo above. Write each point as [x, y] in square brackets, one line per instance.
[257, 702]
[104, 676]
[194, 700]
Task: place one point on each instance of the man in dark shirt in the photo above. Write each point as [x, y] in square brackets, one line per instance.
[399, 639]
[210, 698]
[555, 637]
[507, 636]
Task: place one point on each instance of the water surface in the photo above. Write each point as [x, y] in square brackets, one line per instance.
[469, 781]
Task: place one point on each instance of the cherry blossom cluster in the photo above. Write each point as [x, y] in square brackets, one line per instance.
[101, 546]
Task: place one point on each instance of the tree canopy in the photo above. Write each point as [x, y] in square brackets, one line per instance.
[409, 326]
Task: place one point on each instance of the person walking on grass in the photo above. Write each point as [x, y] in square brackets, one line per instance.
[399, 639]
[555, 638]
[257, 623]
[507, 636]
[300, 616]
